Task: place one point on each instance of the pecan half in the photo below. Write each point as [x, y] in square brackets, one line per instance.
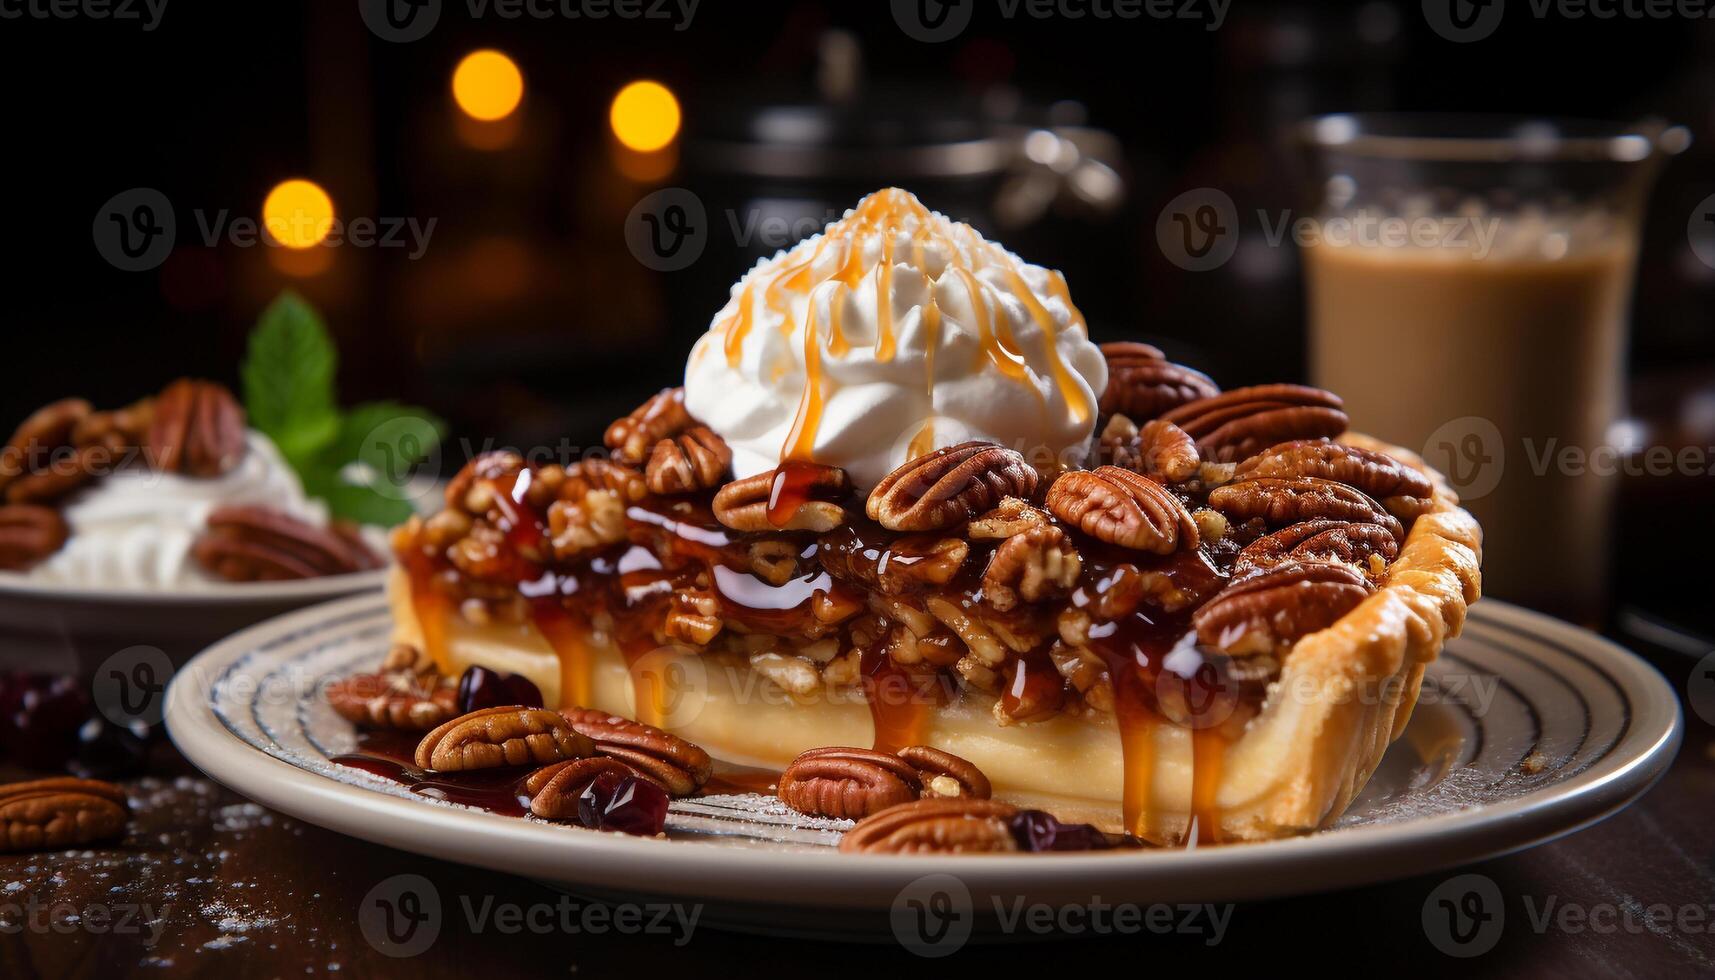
[554, 789]
[408, 694]
[198, 429]
[847, 783]
[794, 496]
[1143, 383]
[1319, 540]
[1040, 563]
[1267, 611]
[253, 544]
[118, 430]
[1282, 501]
[1402, 489]
[504, 736]
[29, 534]
[661, 417]
[1013, 516]
[944, 774]
[950, 486]
[1167, 451]
[676, 765]
[59, 812]
[40, 436]
[693, 460]
[1123, 508]
[1244, 421]
[914, 563]
[935, 826]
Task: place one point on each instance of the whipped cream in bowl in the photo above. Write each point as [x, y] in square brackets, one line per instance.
[133, 530]
[895, 332]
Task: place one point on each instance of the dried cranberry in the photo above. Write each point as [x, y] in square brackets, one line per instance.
[40, 715]
[1038, 831]
[109, 751]
[481, 688]
[623, 803]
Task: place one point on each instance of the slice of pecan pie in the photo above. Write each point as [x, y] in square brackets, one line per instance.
[903, 500]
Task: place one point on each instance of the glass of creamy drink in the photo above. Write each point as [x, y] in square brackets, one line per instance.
[1469, 282]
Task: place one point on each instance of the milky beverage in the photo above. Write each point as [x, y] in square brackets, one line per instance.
[1527, 332]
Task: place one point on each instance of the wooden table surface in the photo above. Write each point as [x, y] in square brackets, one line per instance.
[208, 884]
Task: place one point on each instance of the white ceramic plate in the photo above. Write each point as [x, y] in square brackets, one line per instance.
[1528, 729]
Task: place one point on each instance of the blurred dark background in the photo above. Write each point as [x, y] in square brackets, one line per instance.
[527, 319]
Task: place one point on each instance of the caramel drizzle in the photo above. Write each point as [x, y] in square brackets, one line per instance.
[883, 214]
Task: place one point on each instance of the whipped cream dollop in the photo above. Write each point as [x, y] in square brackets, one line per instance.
[133, 529]
[894, 332]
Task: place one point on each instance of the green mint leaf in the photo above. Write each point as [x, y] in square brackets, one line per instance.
[383, 506]
[289, 379]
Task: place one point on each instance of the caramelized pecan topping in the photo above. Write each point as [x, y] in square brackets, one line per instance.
[60, 812]
[944, 774]
[1239, 423]
[676, 765]
[1266, 612]
[1320, 540]
[662, 416]
[764, 501]
[1167, 451]
[504, 736]
[1402, 489]
[961, 826]
[29, 534]
[1143, 383]
[949, 486]
[1038, 564]
[198, 429]
[693, 460]
[1279, 502]
[1123, 508]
